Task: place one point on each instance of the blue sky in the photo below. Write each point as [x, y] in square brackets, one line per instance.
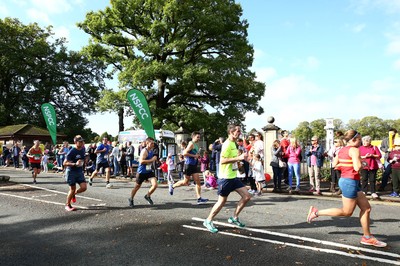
[318, 58]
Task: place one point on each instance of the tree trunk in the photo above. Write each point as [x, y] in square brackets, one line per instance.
[121, 119]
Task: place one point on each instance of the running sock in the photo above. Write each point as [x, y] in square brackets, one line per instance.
[367, 237]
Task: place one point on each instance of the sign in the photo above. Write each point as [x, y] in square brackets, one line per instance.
[139, 105]
[49, 115]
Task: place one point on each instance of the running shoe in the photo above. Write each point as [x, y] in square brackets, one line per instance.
[69, 208]
[171, 189]
[375, 196]
[90, 181]
[109, 185]
[372, 241]
[201, 200]
[131, 204]
[210, 226]
[234, 221]
[394, 194]
[312, 214]
[149, 200]
[74, 199]
[34, 181]
[297, 189]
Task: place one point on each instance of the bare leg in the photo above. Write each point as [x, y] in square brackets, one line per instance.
[365, 210]
[347, 209]
[196, 179]
[135, 189]
[184, 182]
[108, 174]
[243, 201]
[153, 187]
[70, 194]
[217, 207]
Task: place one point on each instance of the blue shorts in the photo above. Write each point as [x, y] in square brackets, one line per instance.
[349, 187]
[73, 177]
[226, 186]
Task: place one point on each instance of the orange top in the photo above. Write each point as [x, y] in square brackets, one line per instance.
[37, 155]
[346, 164]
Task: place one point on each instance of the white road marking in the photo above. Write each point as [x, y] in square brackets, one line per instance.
[323, 242]
[60, 192]
[342, 253]
[39, 200]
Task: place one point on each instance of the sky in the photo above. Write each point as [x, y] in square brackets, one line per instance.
[318, 58]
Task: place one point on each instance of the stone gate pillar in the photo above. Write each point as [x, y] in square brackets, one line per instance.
[180, 136]
[270, 134]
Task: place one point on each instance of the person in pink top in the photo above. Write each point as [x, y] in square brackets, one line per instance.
[293, 153]
[369, 155]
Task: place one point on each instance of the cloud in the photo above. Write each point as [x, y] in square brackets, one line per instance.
[396, 64]
[393, 47]
[38, 16]
[365, 6]
[294, 99]
[61, 32]
[265, 74]
[3, 11]
[52, 6]
[358, 28]
[309, 63]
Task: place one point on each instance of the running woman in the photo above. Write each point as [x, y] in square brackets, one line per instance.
[348, 160]
[35, 157]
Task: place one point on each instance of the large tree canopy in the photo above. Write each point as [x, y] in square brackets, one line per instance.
[191, 58]
[34, 69]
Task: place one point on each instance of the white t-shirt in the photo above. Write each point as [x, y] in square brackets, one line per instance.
[258, 171]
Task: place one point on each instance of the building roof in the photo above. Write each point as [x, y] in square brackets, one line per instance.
[24, 130]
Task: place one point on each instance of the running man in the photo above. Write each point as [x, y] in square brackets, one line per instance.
[35, 157]
[74, 172]
[348, 161]
[145, 172]
[102, 152]
[192, 156]
[227, 180]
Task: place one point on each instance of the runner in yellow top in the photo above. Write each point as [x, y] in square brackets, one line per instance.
[227, 181]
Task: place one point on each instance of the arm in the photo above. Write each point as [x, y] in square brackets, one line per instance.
[355, 155]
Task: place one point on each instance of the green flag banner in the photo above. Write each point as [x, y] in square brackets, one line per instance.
[49, 115]
[139, 105]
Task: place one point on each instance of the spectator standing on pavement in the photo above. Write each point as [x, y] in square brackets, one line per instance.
[74, 161]
[394, 160]
[130, 157]
[228, 182]
[258, 173]
[145, 172]
[35, 158]
[102, 152]
[24, 158]
[369, 155]
[259, 145]
[180, 165]
[204, 161]
[315, 160]
[349, 161]
[386, 148]
[192, 156]
[277, 167]
[15, 151]
[217, 145]
[45, 161]
[171, 168]
[293, 153]
[285, 142]
[335, 171]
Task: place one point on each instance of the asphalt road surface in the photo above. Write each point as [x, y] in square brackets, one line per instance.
[36, 230]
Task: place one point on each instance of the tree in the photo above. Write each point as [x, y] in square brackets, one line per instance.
[318, 128]
[303, 132]
[373, 126]
[34, 69]
[190, 58]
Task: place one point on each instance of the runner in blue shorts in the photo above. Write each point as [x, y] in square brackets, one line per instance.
[227, 180]
[74, 172]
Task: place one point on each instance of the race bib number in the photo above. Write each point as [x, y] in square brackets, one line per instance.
[148, 167]
[235, 167]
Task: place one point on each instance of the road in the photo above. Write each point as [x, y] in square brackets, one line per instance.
[35, 229]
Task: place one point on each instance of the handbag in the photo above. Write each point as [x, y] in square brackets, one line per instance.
[378, 161]
[282, 164]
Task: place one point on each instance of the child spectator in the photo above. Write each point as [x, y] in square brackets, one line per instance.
[45, 160]
[171, 168]
[258, 173]
[164, 170]
[180, 166]
[204, 162]
[209, 180]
